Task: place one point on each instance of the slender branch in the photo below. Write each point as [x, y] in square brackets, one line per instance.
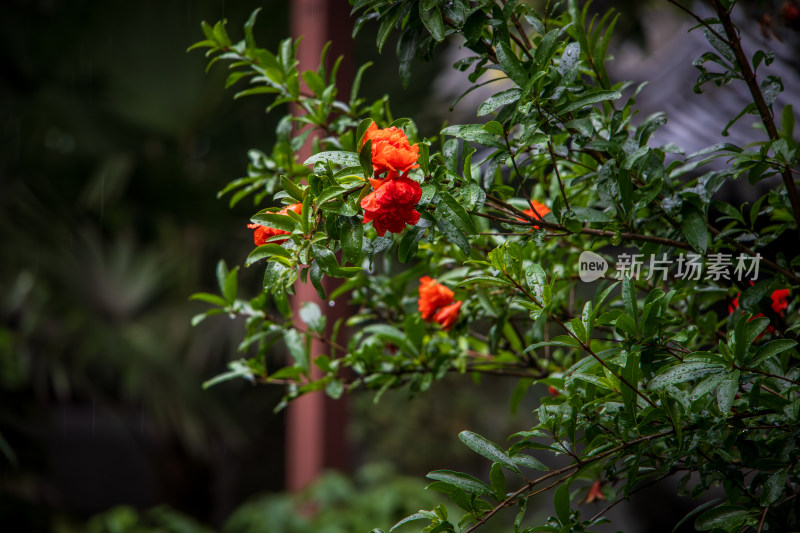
[518, 174]
[763, 517]
[758, 97]
[522, 32]
[694, 15]
[584, 345]
[524, 219]
[555, 473]
[768, 374]
[558, 174]
[521, 45]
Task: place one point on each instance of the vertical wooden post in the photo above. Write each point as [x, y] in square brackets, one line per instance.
[315, 433]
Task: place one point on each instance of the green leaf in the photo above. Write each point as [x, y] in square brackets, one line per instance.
[546, 49]
[365, 158]
[460, 218]
[238, 369]
[770, 349]
[433, 21]
[771, 87]
[315, 273]
[388, 20]
[561, 502]
[274, 220]
[693, 227]
[249, 40]
[207, 297]
[485, 447]
[684, 372]
[527, 461]
[463, 481]
[267, 250]
[693, 512]
[231, 286]
[352, 235]
[357, 85]
[329, 265]
[458, 496]
[291, 189]
[500, 99]
[311, 314]
[475, 133]
[416, 516]
[485, 279]
[629, 299]
[296, 345]
[453, 234]
[569, 58]
[511, 65]
[537, 281]
[727, 517]
[347, 159]
[407, 249]
[750, 299]
[498, 480]
[727, 392]
[787, 122]
[587, 214]
[589, 99]
[773, 487]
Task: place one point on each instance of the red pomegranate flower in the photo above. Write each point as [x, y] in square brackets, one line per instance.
[391, 151]
[595, 492]
[391, 205]
[436, 303]
[541, 209]
[448, 315]
[263, 233]
[780, 301]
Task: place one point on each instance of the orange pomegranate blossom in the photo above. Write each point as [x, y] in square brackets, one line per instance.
[436, 303]
[541, 209]
[391, 205]
[263, 233]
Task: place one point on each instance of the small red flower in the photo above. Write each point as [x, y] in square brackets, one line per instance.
[554, 392]
[540, 208]
[447, 316]
[780, 301]
[263, 233]
[436, 303]
[391, 151]
[391, 205]
[432, 296]
[595, 492]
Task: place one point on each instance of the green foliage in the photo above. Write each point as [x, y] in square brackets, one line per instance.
[332, 504]
[653, 376]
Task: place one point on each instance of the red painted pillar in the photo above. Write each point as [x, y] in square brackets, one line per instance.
[316, 424]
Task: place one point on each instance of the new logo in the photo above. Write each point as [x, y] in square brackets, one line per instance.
[591, 266]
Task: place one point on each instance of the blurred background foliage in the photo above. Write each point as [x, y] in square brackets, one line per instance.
[114, 144]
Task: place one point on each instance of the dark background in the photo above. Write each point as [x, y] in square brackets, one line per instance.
[113, 144]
